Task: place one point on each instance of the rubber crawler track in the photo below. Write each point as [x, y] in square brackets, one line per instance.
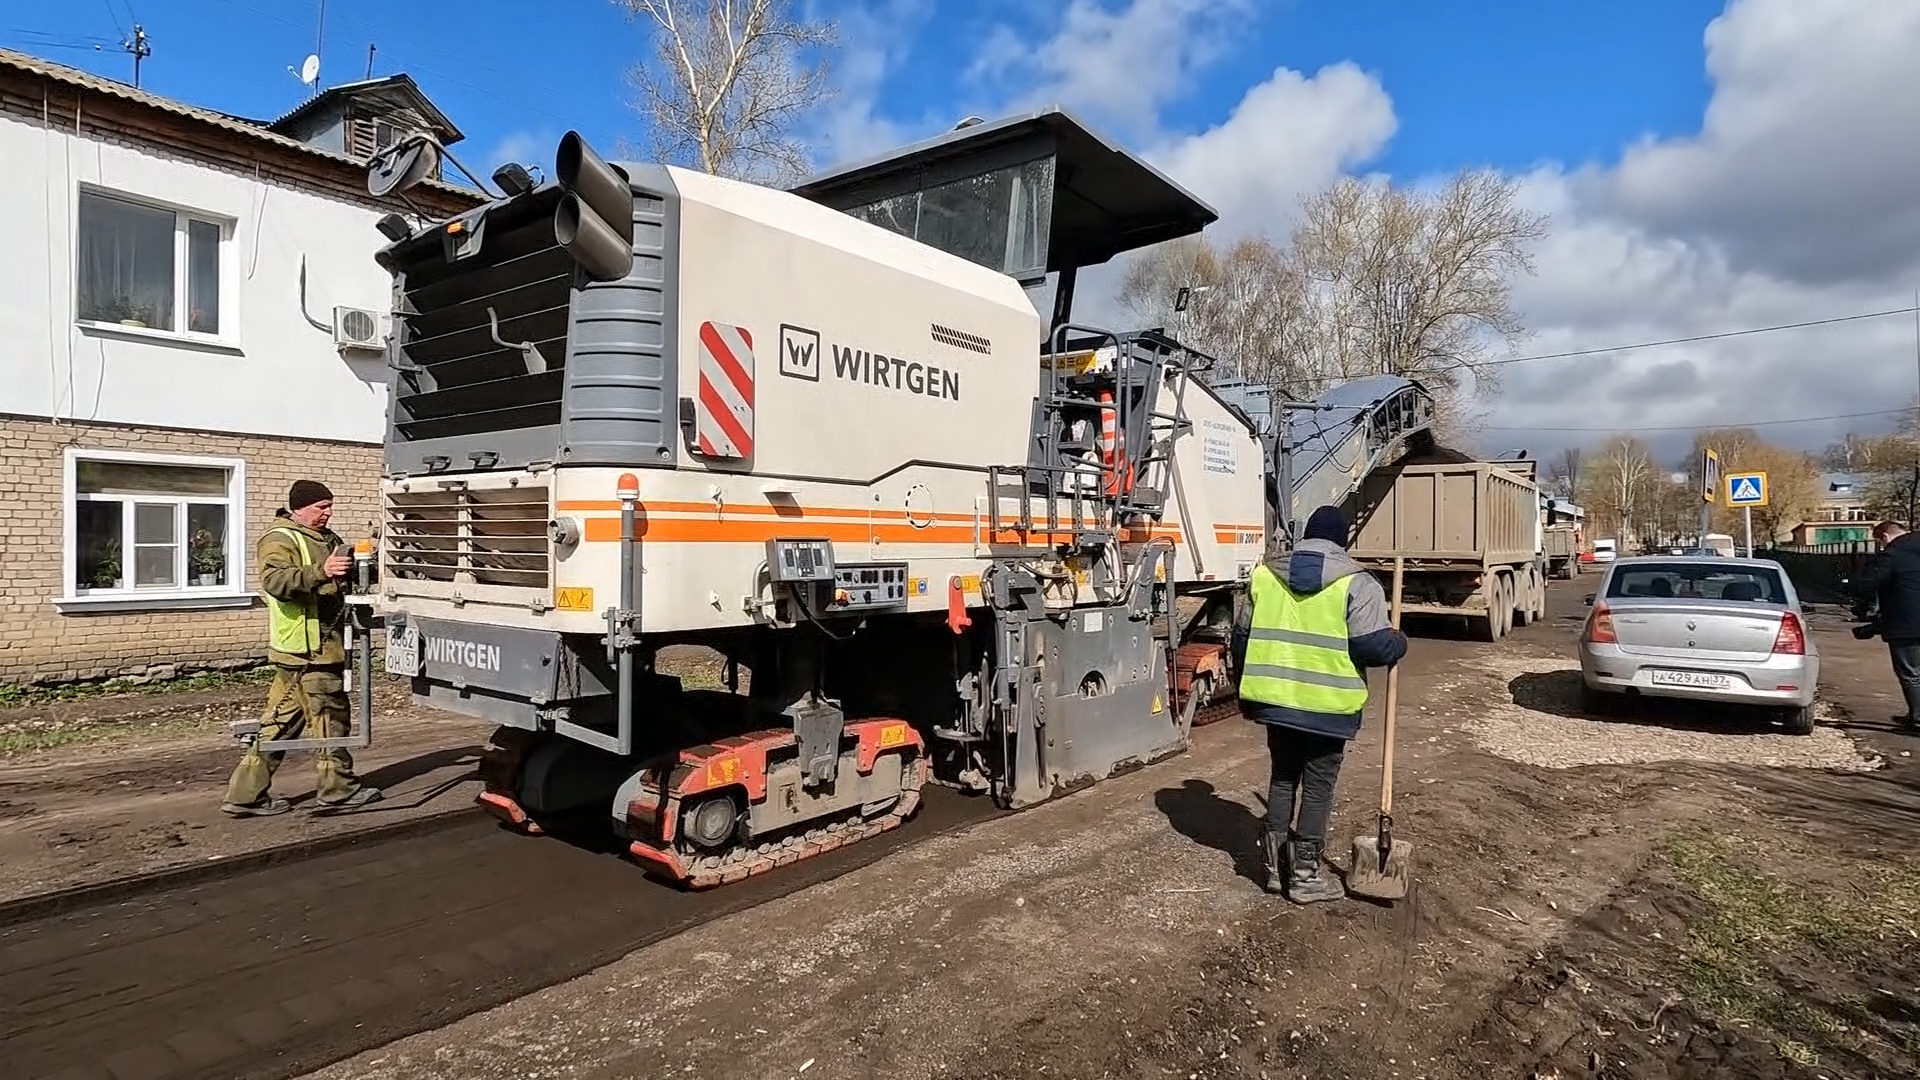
[743, 863]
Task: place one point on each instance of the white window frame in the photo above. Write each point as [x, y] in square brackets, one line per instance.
[232, 594]
[183, 216]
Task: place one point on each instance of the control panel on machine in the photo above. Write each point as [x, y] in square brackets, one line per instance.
[869, 586]
[796, 562]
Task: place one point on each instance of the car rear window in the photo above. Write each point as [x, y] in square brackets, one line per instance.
[1693, 581]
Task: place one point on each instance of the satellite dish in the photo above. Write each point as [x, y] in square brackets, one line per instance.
[402, 165]
[310, 70]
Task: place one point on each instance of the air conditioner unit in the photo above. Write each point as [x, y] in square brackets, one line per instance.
[358, 328]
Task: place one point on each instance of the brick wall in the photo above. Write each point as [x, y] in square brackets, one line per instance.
[38, 643]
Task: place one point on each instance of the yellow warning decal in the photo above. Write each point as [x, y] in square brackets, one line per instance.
[1158, 706]
[970, 583]
[893, 735]
[579, 599]
[723, 770]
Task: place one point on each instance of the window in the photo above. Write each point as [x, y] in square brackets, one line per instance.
[149, 268]
[142, 526]
[1693, 581]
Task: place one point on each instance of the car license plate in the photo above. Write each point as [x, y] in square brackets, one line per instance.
[403, 649]
[1702, 680]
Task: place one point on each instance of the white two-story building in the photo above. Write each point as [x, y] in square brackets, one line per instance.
[190, 320]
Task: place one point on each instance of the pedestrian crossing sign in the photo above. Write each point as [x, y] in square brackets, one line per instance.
[1747, 489]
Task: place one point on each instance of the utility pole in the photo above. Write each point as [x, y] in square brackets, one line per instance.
[138, 47]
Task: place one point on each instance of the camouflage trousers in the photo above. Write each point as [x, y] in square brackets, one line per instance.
[303, 703]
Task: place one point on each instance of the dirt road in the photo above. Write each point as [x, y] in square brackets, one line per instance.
[1625, 898]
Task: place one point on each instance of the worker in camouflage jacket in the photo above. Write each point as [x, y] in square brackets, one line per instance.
[1309, 625]
[303, 570]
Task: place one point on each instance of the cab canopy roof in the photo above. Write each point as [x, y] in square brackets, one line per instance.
[1027, 195]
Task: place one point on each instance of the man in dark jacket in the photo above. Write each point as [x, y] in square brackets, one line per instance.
[1896, 585]
[1312, 621]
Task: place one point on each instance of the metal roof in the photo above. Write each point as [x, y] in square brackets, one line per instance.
[392, 89]
[1106, 200]
[33, 65]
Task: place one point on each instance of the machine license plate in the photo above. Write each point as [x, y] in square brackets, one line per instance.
[1702, 680]
[403, 649]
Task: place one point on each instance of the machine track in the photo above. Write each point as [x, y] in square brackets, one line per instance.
[741, 863]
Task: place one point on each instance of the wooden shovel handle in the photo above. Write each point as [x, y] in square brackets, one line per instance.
[1393, 695]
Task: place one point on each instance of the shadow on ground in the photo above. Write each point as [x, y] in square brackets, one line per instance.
[395, 773]
[1197, 812]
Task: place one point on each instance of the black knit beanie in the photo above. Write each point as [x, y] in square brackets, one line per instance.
[1327, 523]
[307, 492]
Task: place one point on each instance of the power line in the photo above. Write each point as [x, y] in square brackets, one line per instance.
[1710, 426]
[1698, 337]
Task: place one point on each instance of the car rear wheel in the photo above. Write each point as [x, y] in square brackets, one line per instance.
[1799, 721]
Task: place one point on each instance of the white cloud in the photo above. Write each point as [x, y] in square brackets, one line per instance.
[874, 41]
[525, 147]
[1121, 63]
[1798, 199]
[1288, 136]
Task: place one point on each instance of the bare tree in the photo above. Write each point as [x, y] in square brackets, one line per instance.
[726, 82]
[1620, 491]
[1242, 305]
[1414, 284]
[1565, 470]
[1376, 279]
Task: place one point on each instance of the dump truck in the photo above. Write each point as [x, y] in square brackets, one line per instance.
[1469, 535]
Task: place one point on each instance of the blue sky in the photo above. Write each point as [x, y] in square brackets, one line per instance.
[1494, 82]
[1707, 165]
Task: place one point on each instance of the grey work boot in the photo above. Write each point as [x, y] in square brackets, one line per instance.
[1275, 849]
[1308, 881]
[358, 797]
[265, 806]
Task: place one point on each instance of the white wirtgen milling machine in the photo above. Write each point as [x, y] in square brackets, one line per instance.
[826, 433]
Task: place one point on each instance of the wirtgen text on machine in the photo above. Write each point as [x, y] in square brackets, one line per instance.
[467, 654]
[895, 373]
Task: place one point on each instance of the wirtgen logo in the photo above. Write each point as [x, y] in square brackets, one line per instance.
[799, 353]
[467, 654]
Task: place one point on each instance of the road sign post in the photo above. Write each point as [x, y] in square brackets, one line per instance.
[1747, 490]
[1709, 491]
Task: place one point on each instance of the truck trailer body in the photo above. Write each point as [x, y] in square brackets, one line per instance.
[934, 534]
[1470, 537]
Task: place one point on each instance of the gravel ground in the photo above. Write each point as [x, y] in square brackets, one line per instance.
[1539, 723]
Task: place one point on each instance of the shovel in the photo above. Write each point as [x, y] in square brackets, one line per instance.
[1381, 864]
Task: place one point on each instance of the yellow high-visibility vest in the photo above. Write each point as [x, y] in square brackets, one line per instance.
[1297, 652]
[295, 624]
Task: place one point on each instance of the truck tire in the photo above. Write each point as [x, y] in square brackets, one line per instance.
[1526, 585]
[1539, 595]
[1499, 610]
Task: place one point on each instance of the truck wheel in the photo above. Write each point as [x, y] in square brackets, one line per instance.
[1523, 599]
[1499, 610]
[1539, 595]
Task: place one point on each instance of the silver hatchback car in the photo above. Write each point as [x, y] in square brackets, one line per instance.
[1703, 628]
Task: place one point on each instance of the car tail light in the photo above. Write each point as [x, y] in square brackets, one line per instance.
[1792, 639]
[1600, 626]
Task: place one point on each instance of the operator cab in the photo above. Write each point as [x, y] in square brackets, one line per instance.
[1027, 195]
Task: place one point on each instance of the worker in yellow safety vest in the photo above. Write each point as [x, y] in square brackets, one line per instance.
[303, 570]
[1309, 624]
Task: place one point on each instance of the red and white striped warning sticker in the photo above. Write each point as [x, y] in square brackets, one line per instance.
[723, 420]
